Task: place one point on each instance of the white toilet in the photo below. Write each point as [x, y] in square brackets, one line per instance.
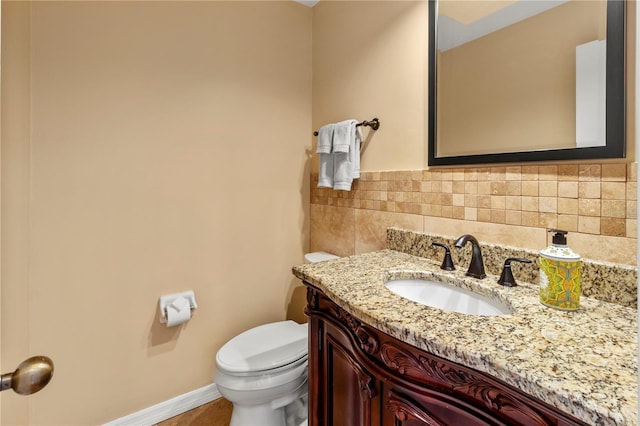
[263, 371]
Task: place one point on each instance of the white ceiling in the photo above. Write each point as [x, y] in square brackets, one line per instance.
[453, 32]
[309, 3]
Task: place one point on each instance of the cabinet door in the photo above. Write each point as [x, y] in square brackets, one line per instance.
[402, 407]
[347, 393]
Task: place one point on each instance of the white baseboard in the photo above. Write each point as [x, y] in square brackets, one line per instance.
[167, 409]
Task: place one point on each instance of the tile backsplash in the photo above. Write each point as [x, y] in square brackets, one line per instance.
[596, 203]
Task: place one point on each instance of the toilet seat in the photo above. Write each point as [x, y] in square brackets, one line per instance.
[265, 349]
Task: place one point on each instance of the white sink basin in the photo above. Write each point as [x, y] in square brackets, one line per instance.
[447, 297]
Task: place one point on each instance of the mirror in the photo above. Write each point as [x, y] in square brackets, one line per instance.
[526, 80]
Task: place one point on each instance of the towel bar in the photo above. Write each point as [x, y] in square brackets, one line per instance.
[374, 124]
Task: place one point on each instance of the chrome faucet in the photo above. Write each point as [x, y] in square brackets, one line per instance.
[476, 267]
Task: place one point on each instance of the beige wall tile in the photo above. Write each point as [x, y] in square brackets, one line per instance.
[548, 204]
[498, 174]
[484, 215]
[548, 220]
[498, 188]
[604, 248]
[458, 175]
[470, 174]
[371, 228]
[471, 200]
[589, 207]
[530, 188]
[589, 189]
[530, 204]
[632, 172]
[529, 173]
[513, 188]
[568, 222]
[458, 199]
[498, 202]
[613, 226]
[458, 212]
[632, 228]
[513, 202]
[548, 173]
[484, 187]
[458, 187]
[568, 189]
[614, 208]
[471, 187]
[589, 172]
[484, 173]
[588, 224]
[568, 206]
[509, 235]
[484, 201]
[614, 172]
[513, 217]
[632, 190]
[446, 175]
[498, 216]
[332, 229]
[614, 190]
[548, 188]
[470, 213]
[531, 219]
[632, 209]
[513, 173]
[568, 172]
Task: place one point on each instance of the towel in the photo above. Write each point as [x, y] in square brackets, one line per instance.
[339, 152]
[343, 135]
[325, 139]
[324, 149]
[346, 166]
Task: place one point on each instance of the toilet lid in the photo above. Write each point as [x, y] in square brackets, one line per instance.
[264, 347]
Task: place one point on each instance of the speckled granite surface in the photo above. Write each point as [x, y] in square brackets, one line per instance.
[582, 362]
[604, 281]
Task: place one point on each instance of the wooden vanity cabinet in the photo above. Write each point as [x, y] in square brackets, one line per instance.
[360, 376]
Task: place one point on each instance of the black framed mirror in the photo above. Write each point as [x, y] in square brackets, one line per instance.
[512, 124]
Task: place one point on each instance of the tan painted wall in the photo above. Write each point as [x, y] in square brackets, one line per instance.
[370, 60]
[514, 89]
[166, 152]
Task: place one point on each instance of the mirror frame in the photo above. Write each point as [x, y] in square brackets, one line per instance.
[615, 103]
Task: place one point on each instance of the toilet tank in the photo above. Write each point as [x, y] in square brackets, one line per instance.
[319, 256]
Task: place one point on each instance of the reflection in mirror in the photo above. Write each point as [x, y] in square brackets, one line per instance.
[525, 80]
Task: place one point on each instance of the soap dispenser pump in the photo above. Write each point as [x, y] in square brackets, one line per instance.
[560, 274]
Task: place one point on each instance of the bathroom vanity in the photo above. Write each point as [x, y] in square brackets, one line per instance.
[376, 358]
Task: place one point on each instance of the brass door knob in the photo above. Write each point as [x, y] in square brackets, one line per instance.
[31, 375]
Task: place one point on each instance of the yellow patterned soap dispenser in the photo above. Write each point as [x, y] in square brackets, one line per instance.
[560, 274]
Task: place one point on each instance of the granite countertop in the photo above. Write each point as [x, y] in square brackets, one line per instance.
[582, 362]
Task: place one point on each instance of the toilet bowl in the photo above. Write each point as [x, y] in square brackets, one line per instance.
[263, 371]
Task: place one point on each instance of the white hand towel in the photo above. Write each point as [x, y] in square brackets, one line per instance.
[325, 171]
[324, 149]
[344, 166]
[355, 154]
[325, 139]
[343, 134]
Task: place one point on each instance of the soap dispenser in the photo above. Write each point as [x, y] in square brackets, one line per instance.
[560, 269]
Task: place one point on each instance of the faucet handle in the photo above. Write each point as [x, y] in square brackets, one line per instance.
[447, 262]
[506, 278]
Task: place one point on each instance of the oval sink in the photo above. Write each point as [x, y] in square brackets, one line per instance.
[447, 297]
